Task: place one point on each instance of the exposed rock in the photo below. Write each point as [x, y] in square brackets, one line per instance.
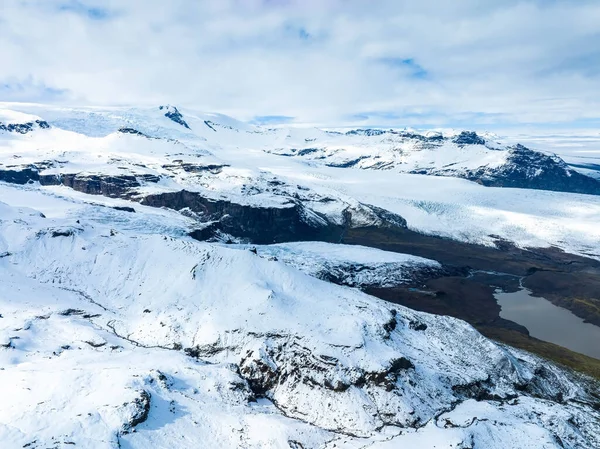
[126, 130]
[140, 412]
[173, 114]
[24, 128]
[262, 225]
[70, 312]
[67, 232]
[525, 168]
[469, 138]
[365, 132]
[22, 176]
[261, 374]
[124, 208]
[480, 391]
[209, 124]
[95, 344]
[195, 168]
[347, 164]
[418, 326]
[112, 186]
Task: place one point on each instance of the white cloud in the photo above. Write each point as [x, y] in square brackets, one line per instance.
[400, 61]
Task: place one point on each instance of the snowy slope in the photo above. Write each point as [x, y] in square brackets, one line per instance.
[144, 154]
[355, 266]
[581, 150]
[109, 326]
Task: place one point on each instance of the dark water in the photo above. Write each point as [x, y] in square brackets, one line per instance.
[551, 323]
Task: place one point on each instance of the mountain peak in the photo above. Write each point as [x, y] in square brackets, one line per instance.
[173, 113]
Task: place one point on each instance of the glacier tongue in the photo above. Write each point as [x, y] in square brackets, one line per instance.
[218, 165]
[106, 330]
[118, 330]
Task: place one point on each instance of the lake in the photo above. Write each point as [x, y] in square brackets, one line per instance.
[551, 323]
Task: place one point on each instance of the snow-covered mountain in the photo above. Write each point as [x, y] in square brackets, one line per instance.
[462, 155]
[115, 321]
[457, 154]
[157, 289]
[220, 169]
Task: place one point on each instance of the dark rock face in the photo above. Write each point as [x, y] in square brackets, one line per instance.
[24, 128]
[468, 138]
[480, 391]
[112, 186]
[62, 233]
[195, 168]
[530, 169]
[524, 169]
[126, 130]
[270, 369]
[419, 137]
[173, 114]
[262, 225]
[141, 411]
[388, 377]
[124, 209]
[209, 124]
[435, 138]
[366, 132]
[290, 222]
[545, 384]
[306, 151]
[350, 275]
[19, 176]
[348, 164]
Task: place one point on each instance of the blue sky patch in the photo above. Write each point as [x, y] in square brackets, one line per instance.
[409, 65]
[27, 90]
[80, 8]
[272, 119]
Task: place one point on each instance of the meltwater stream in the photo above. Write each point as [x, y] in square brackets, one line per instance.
[551, 323]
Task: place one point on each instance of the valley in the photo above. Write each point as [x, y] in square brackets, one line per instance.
[567, 280]
[201, 261]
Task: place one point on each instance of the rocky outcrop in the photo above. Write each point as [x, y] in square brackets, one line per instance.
[135, 132]
[19, 176]
[187, 167]
[523, 168]
[468, 138]
[288, 374]
[262, 225]
[173, 113]
[528, 169]
[366, 132]
[112, 186]
[290, 220]
[140, 409]
[24, 128]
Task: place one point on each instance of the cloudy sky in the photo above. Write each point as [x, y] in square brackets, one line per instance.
[476, 63]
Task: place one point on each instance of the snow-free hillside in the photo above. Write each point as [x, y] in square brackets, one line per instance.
[120, 334]
[218, 170]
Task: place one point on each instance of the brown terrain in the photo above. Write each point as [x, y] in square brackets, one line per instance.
[567, 280]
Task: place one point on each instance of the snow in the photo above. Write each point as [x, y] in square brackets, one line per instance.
[8, 116]
[346, 253]
[104, 312]
[86, 140]
[98, 315]
[352, 265]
